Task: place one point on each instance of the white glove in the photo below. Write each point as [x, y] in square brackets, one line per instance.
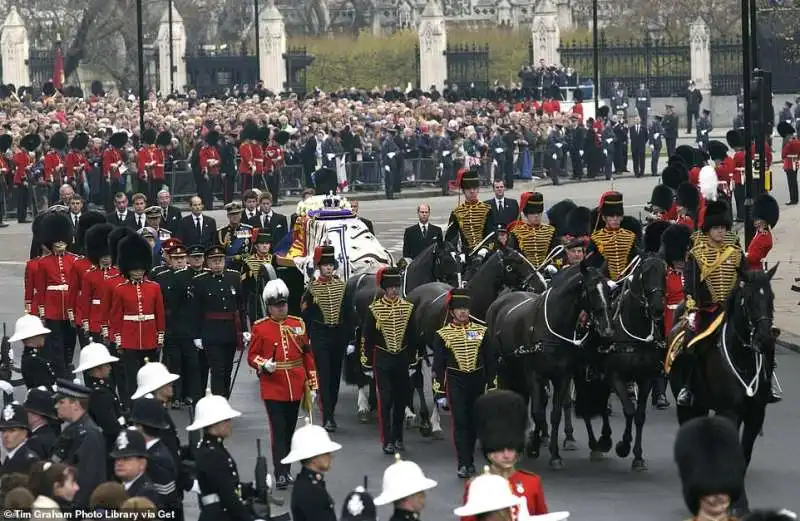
[246, 337]
[198, 343]
[482, 252]
[413, 371]
[580, 153]
[441, 402]
[692, 318]
[269, 366]
[313, 396]
[552, 270]
[269, 481]
[368, 373]
[351, 349]
[611, 285]
[555, 156]
[387, 168]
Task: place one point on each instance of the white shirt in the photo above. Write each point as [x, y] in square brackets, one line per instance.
[122, 215]
[140, 219]
[501, 202]
[423, 227]
[152, 442]
[75, 218]
[198, 218]
[128, 484]
[14, 451]
[250, 214]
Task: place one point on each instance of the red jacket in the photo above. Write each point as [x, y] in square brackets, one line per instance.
[112, 160]
[686, 221]
[758, 249]
[79, 268]
[206, 153]
[791, 155]
[150, 158]
[6, 171]
[137, 320]
[91, 308]
[523, 484]
[701, 214]
[577, 109]
[251, 155]
[694, 176]
[30, 285]
[273, 158]
[54, 167]
[52, 285]
[287, 344]
[726, 174]
[22, 161]
[106, 293]
[738, 160]
[76, 166]
[673, 293]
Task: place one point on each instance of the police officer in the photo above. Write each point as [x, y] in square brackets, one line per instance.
[386, 352]
[130, 466]
[464, 367]
[326, 315]
[219, 317]
[281, 353]
[35, 368]
[15, 429]
[257, 269]
[42, 421]
[235, 238]
[81, 443]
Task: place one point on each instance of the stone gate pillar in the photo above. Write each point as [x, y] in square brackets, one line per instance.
[178, 52]
[700, 56]
[15, 50]
[545, 34]
[272, 46]
[432, 47]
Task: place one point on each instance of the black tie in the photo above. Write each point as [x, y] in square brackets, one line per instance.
[424, 230]
[263, 220]
[75, 220]
[500, 205]
[139, 221]
[122, 217]
[197, 225]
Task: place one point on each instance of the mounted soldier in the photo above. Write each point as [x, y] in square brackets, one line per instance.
[257, 270]
[532, 238]
[471, 221]
[612, 244]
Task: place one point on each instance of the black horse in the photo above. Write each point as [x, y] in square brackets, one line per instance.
[730, 378]
[543, 331]
[637, 352]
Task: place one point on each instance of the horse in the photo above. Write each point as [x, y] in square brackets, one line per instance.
[537, 328]
[636, 352]
[732, 379]
[502, 268]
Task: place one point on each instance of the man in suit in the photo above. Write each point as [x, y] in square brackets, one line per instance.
[638, 145]
[367, 222]
[121, 216]
[139, 201]
[197, 228]
[170, 215]
[269, 219]
[504, 210]
[421, 235]
[75, 212]
[250, 200]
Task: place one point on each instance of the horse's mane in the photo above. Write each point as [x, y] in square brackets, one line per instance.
[756, 278]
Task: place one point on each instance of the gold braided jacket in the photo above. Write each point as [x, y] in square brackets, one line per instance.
[391, 319]
[615, 246]
[328, 295]
[251, 268]
[730, 238]
[534, 241]
[719, 268]
[464, 344]
[471, 219]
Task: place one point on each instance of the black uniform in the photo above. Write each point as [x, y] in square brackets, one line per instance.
[42, 440]
[174, 293]
[670, 125]
[255, 274]
[83, 446]
[221, 494]
[36, 369]
[20, 461]
[404, 515]
[218, 318]
[654, 135]
[189, 362]
[464, 366]
[162, 470]
[310, 498]
[105, 410]
[386, 351]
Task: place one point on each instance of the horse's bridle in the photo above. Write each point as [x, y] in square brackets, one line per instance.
[752, 325]
[641, 297]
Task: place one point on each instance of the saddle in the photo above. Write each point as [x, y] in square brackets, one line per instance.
[681, 338]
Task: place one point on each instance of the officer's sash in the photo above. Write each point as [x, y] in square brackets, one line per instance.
[238, 239]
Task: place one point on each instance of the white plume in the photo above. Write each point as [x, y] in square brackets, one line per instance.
[275, 289]
[708, 183]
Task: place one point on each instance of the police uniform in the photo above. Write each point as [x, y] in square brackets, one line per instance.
[20, 458]
[280, 352]
[616, 247]
[326, 316]
[471, 221]
[256, 270]
[219, 317]
[42, 438]
[81, 444]
[464, 367]
[534, 241]
[130, 443]
[235, 239]
[386, 352]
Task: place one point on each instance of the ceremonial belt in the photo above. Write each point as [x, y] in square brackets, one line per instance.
[289, 365]
[58, 287]
[209, 499]
[224, 315]
[673, 306]
[96, 301]
[138, 318]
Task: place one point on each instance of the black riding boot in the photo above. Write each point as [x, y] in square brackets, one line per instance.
[774, 395]
[685, 396]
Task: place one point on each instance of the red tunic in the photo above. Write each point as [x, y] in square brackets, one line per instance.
[112, 160]
[273, 158]
[791, 155]
[694, 176]
[54, 171]
[76, 166]
[52, 285]
[758, 249]
[577, 109]
[686, 221]
[523, 484]
[5, 171]
[150, 159]
[701, 213]
[79, 268]
[209, 153]
[251, 159]
[137, 319]
[106, 292]
[671, 214]
[287, 344]
[726, 174]
[91, 307]
[738, 160]
[673, 293]
[30, 285]
[22, 161]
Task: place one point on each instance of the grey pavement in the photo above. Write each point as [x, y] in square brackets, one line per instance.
[593, 491]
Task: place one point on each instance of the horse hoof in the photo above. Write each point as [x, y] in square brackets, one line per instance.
[595, 455]
[437, 434]
[570, 445]
[425, 430]
[557, 464]
[639, 465]
[363, 416]
[623, 449]
[604, 444]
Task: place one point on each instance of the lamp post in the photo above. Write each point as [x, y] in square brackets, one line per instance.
[596, 56]
[258, 41]
[140, 52]
[171, 56]
[748, 134]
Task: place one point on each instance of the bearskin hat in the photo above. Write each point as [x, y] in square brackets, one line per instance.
[603, 111]
[662, 197]
[55, 227]
[611, 204]
[86, 221]
[212, 138]
[59, 141]
[717, 150]
[717, 214]
[677, 160]
[689, 155]
[114, 239]
[48, 89]
[282, 137]
[557, 214]
[134, 253]
[80, 141]
[149, 136]
[675, 242]
[164, 139]
[674, 174]
[325, 181]
[96, 241]
[634, 225]
[250, 131]
[275, 292]
[97, 88]
[6, 140]
[652, 235]
[31, 142]
[501, 421]
[735, 138]
[785, 129]
[710, 460]
[765, 207]
[578, 222]
[118, 139]
[688, 197]
[389, 277]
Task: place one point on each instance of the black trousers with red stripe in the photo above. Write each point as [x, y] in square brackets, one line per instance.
[282, 422]
[463, 389]
[393, 387]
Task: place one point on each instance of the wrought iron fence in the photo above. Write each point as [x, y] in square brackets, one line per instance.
[297, 61]
[663, 66]
[726, 67]
[41, 63]
[212, 72]
[779, 47]
[468, 67]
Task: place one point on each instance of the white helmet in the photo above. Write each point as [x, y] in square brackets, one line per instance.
[151, 377]
[28, 326]
[275, 292]
[94, 355]
[212, 409]
[309, 441]
[402, 479]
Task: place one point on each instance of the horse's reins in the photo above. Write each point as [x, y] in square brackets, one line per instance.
[750, 389]
[641, 299]
[574, 340]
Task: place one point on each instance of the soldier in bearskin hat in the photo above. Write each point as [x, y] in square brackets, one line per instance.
[612, 245]
[210, 162]
[687, 200]
[24, 160]
[146, 161]
[55, 173]
[534, 239]
[251, 157]
[76, 165]
[386, 353]
[791, 159]
[6, 175]
[15, 429]
[662, 204]
[81, 265]
[113, 166]
[471, 221]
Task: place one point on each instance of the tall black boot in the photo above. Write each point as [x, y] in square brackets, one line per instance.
[791, 181]
[685, 397]
[774, 395]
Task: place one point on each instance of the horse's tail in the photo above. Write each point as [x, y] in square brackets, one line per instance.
[591, 397]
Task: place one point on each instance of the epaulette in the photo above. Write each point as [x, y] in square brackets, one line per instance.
[299, 319]
[165, 230]
[260, 320]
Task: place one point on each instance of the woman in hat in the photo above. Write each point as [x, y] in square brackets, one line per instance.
[54, 172]
[15, 431]
[24, 160]
[404, 486]
[76, 166]
[257, 269]
[113, 167]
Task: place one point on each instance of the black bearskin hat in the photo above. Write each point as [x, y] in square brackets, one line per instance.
[389, 277]
[688, 197]
[48, 89]
[634, 225]
[31, 142]
[80, 141]
[717, 150]
[149, 136]
[674, 174]
[785, 129]
[603, 111]
[501, 420]
[662, 197]
[164, 139]
[325, 181]
[5, 142]
[114, 238]
[55, 227]
[282, 137]
[134, 253]
[118, 139]
[97, 88]
[717, 214]
[212, 138]
[675, 242]
[86, 221]
[59, 141]
[578, 222]
[250, 131]
[557, 214]
[96, 241]
[652, 235]
[735, 138]
[611, 204]
[765, 207]
[689, 155]
[710, 460]
[531, 202]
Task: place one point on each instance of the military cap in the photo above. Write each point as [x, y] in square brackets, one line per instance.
[152, 211]
[147, 233]
[458, 298]
[13, 417]
[264, 236]
[611, 203]
[532, 202]
[196, 250]
[233, 208]
[178, 251]
[129, 444]
[170, 243]
[69, 389]
[388, 277]
[215, 251]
